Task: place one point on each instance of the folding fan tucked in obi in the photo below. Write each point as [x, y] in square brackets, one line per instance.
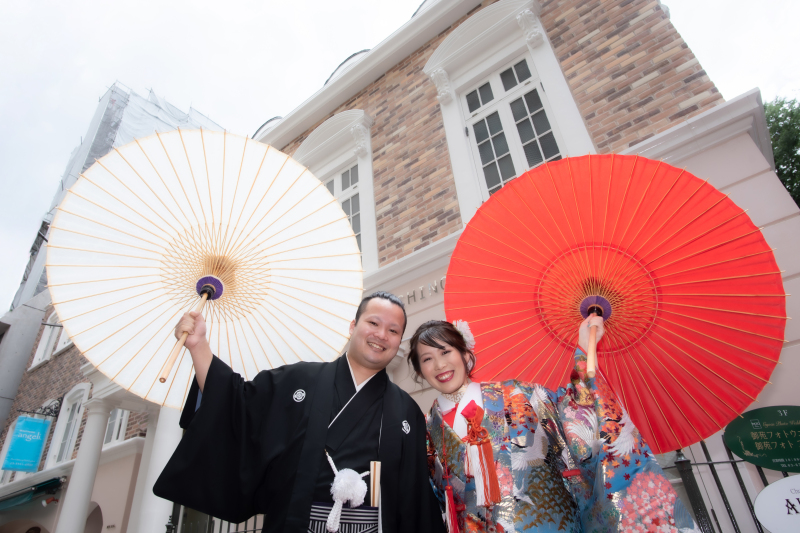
[690, 292]
[159, 226]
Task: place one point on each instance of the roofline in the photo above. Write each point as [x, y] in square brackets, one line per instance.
[388, 53]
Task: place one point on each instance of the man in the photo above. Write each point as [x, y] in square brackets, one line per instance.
[260, 446]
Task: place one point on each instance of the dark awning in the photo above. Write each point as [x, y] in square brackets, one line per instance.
[25, 495]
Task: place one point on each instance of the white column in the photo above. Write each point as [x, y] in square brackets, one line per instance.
[153, 511]
[81, 482]
[141, 475]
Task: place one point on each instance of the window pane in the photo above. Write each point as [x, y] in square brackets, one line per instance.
[486, 93]
[329, 186]
[500, 144]
[541, 123]
[525, 131]
[473, 102]
[532, 154]
[533, 100]
[508, 78]
[492, 175]
[358, 240]
[506, 168]
[495, 126]
[481, 133]
[492, 191]
[112, 419]
[518, 109]
[355, 204]
[549, 146]
[346, 207]
[356, 223]
[485, 150]
[354, 175]
[523, 73]
[345, 179]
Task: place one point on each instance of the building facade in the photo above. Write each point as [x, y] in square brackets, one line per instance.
[44, 376]
[415, 134]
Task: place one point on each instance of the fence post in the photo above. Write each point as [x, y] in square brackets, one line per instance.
[684, 467]
[719, 486]
[735, 467]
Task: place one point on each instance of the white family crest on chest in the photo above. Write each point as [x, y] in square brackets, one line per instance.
[299, 395]
[406, 427]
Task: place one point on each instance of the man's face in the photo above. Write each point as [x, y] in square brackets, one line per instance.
[376, 337]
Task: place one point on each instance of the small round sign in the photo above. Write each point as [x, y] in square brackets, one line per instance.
[777, 507]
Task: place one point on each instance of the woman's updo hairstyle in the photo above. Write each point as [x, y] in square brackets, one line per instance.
[433, 333]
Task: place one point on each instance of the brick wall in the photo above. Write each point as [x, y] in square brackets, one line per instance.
[52, 380]
[415, 194]
[630, 72]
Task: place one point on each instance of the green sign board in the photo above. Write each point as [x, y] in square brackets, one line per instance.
[768, 437]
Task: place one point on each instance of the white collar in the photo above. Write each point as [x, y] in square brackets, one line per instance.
[358, 387]
[473, 393]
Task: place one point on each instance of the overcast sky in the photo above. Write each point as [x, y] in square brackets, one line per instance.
[242, 62]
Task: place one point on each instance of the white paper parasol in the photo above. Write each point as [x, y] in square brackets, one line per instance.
[145, 223]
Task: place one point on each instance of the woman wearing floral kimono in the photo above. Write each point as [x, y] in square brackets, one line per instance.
[514, 456]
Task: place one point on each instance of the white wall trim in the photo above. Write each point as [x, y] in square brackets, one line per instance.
[338, 141]
[439, 16]
[131, 446]
[474, 50]
[415, 265]
[743, 114]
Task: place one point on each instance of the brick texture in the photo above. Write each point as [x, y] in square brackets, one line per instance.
[415, 194]
[628, 68]
[52, 380]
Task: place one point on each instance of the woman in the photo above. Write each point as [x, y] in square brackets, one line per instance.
[513, 456]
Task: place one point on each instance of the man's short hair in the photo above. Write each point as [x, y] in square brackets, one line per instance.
[385, 296]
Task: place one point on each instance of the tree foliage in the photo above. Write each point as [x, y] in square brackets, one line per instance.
[783, 120]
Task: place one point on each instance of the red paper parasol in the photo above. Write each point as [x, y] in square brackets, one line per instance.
[693, 298]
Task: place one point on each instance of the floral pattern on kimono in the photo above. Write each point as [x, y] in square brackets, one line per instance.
[623, 489]
[534, 496]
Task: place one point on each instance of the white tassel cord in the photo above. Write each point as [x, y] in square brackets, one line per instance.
[348, 486]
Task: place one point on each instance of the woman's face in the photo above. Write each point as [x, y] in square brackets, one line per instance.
[443, 368]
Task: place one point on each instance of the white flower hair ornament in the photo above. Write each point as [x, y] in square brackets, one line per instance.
[463, 327]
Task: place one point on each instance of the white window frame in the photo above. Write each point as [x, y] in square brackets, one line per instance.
[343, 141]
[50, 335]
[119, 418]
[64, 342]
[502, 105]
[77, 395]
[477, 50]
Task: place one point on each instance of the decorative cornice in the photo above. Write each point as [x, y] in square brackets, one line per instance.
[528, 20]
[361, 136]
[338, 133]
[487, 28]
[442, 82]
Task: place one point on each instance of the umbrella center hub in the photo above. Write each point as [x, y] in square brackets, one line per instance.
[591, 277]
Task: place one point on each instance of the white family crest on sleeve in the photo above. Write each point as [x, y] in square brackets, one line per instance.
[299, 395]
[406, 427]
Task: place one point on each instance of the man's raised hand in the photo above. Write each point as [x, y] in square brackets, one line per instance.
[193, 323]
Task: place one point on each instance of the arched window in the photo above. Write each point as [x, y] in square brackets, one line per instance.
[339, 153]
[115, 429]
[50, 335]
[69, 421]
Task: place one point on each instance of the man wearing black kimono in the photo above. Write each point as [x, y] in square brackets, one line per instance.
[259, 446]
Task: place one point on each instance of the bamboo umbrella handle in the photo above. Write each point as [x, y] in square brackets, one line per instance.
[178, 345]
[591, 357]
[375, 483]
